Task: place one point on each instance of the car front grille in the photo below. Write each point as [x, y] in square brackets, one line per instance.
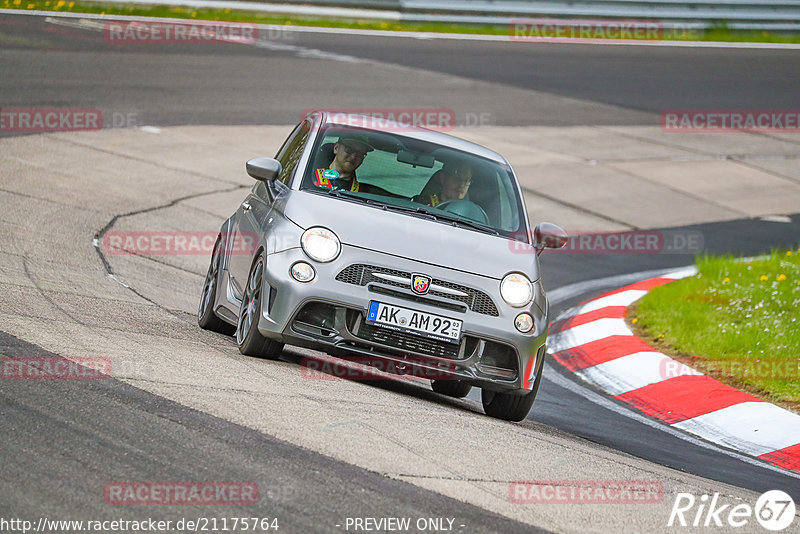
[362, 275]
[407, 342]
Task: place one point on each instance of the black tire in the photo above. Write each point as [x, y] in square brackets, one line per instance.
[249, 339]
[206, 317]
[507, 406]
[451, 388]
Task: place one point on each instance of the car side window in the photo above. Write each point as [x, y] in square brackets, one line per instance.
[291, 151]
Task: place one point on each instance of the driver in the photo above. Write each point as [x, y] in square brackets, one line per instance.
[348, 154]
[454, 181]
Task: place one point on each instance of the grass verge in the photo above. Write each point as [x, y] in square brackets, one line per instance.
[737, 321]
[719, 32]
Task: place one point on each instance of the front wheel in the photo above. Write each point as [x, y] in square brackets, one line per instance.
[507, 406]
[206, 317]
[249, 339]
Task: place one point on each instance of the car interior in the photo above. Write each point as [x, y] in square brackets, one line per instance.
[482, 203]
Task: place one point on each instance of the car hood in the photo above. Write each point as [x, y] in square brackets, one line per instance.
[415, 238]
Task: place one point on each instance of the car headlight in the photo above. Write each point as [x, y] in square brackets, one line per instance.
[302, 272]
[320, 244]
[516, 289]
[524, 322]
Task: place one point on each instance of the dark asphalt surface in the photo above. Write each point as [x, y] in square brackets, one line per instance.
[63, 63]
[54, 435]
[649, 79]
[63, 442]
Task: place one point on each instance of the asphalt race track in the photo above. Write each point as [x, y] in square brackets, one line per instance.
[185, 406]
[517, 84]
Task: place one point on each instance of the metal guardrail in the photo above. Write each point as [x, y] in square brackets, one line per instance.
[776, 15]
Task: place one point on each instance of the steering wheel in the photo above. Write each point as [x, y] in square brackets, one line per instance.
[465, 208]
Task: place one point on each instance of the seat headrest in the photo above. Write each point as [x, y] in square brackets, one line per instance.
[324, 156]
[434, 185]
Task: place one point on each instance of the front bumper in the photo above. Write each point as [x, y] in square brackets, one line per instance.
[329, 314]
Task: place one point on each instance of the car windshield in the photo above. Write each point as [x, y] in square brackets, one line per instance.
[416, 177]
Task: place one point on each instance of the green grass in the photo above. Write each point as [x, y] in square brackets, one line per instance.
[736, 320]
[719, 32]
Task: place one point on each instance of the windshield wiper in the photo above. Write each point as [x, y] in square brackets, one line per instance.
[413, 211]
[439, 215]
[343, 192]
[465, 222]
[340, 192]
[382, 205]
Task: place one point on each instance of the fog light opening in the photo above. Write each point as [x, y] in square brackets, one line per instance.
[524, 322]
[303, 272]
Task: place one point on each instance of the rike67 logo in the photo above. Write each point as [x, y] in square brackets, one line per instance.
[774, 510]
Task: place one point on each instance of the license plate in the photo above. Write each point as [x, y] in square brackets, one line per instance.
[414, 321]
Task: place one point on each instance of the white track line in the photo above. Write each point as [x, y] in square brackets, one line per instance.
[586, 333]
[753, 427]
[623, 298]
[629, 372]
[429, 35]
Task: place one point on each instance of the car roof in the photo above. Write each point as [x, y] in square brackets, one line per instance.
[420, 133]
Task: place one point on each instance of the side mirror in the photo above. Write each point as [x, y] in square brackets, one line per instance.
[264, 169]
[549, 235]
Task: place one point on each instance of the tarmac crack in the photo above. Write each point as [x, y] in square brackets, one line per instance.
[98, 237]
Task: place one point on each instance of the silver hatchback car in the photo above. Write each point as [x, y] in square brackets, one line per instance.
[402, 246]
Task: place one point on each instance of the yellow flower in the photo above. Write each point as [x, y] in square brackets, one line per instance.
[660, 336]
[635, 320]
[764, 278]
[788, 252]
[781, 277]
[726, 280]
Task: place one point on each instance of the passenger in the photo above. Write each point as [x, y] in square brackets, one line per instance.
[340, 174]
